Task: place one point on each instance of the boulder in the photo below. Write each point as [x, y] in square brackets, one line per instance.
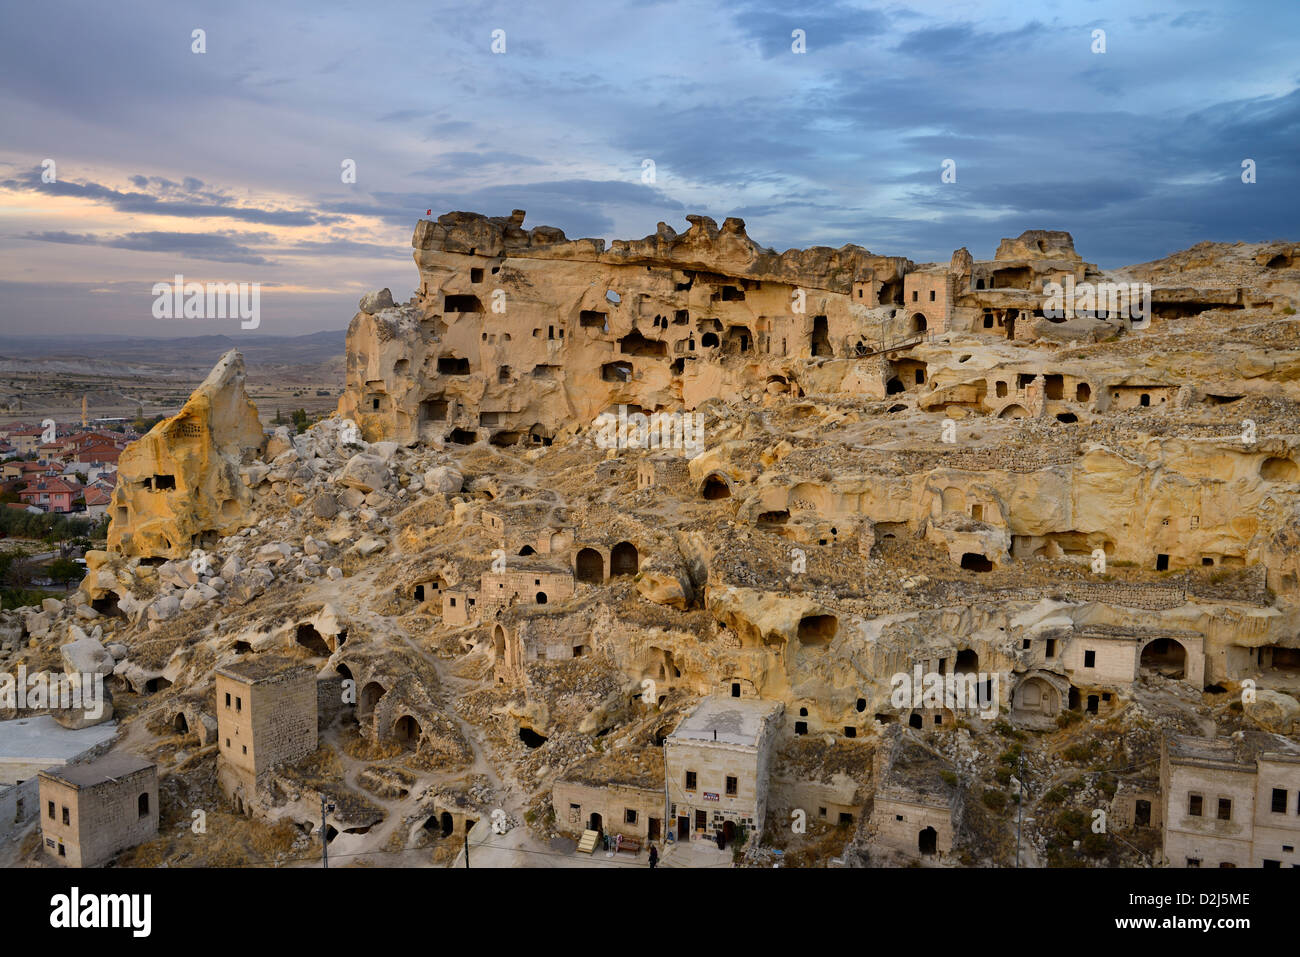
[365, 473]
[1274, 711]
[372, 302]
[86, 656]
[443, 478]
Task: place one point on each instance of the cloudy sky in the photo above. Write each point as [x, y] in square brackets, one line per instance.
[227, 165]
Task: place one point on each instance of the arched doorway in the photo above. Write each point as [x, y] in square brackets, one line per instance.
[590, 566]
[728, 835]
[407, 731]
[1036, 697]
[1164, 656]
[308, 637]
[927, 842]
[370, 696]
[623, 559]
[596, 823]
[715, 487]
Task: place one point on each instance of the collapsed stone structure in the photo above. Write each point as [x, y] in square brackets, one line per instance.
[1080, 530]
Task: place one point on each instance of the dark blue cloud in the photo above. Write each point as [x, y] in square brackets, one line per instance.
[209, 246]
[1136, 151]
[202, 204]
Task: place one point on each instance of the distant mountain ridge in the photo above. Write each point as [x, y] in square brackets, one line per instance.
[262, 350]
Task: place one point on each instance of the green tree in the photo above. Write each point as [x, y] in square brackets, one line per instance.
[20, 572]
[65, 570]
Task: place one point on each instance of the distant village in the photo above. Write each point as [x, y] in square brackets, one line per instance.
[73, 473]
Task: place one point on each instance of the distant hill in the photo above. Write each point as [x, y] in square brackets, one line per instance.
[263, 351]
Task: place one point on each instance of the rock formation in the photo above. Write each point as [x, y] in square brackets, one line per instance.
[179, 487]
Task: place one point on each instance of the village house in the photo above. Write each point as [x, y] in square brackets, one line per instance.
[1231, 802]
[97, 501]
[97, 450]
[51, 494]
[615, 792]
[915, 812]
[90, 812]
[716, 765]
[266, 716]
[26, 439]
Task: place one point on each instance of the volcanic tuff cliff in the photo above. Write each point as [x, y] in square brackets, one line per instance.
[911, 468]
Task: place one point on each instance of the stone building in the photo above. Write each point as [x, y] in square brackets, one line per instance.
[90, 812]
[662, 469]
[459, 606]
[615, 792]
[716, 764]
[1231, 802]
[536, 585]
[915, 813]
[266, 716]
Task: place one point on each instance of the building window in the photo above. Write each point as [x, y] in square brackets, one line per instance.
[1279, 800]
[142, 804]
[1194, 805]
[245, 748]
[227, 742]
[239, 704]
[1225, 809]
[932, 295]
[1090, 659]
[51, 810]
[731, 786]
[227, 699]
[62, 852]
[629, 816]
[690, 780]
[66, 818]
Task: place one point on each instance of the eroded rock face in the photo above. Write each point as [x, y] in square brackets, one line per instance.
[1094, 501]
[521, 336]
[180, 486]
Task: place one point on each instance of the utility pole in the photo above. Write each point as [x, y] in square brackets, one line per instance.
[324, 835]
[1020, 815]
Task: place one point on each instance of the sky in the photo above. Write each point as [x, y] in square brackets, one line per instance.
[228, 165]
